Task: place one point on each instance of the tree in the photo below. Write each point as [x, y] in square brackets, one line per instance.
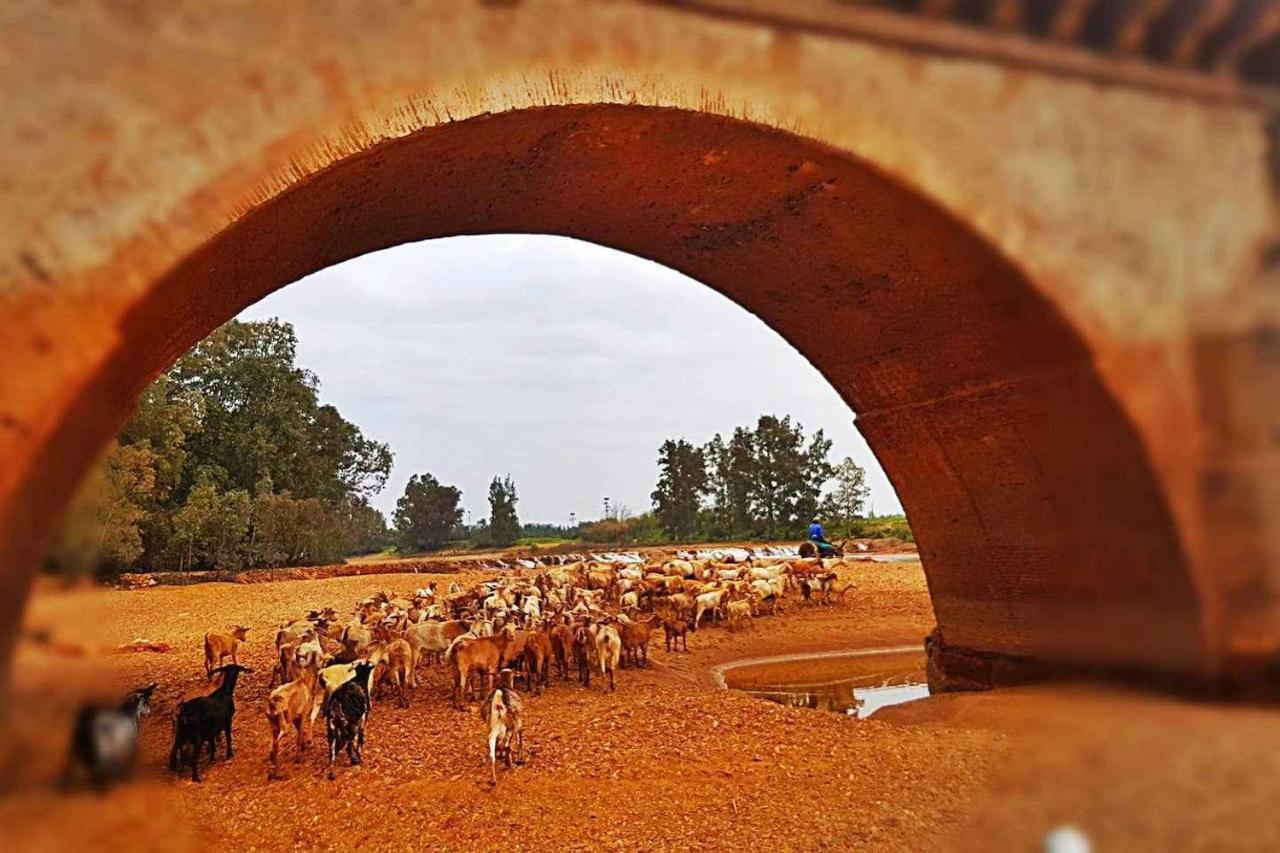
[210, 528]
[788, 474]
[260, 415]
[102, 531]
[629, 530]
[504, 525]
[847, 498]
[767, 480]
[233, 436]
[366, 528]
[426, 514]
[682, 483]
[732, 478]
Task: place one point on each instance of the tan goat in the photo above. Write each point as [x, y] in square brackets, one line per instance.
[219, 646]
[292, 704]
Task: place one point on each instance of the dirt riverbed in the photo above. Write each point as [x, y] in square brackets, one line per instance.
[669, 761]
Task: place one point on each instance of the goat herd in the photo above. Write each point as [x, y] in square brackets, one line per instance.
[589, 616]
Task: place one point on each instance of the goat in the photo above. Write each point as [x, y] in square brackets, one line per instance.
[431, 640]
[504, 713]
[537, 660]
[676, 632]
[481, 655]
[219, 646]
[398, 667]
[739, 611]
[712, 601]
[561, 636]
[608, 651]
[104, 741]
[356, 637]
[345, 716]
[583, 644]
[836, 588]
[292, 704]
[635, 639]
[199, 721]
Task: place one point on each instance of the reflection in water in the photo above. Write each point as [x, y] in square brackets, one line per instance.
[855, 683]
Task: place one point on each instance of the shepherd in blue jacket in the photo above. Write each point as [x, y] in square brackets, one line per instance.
[819, 539]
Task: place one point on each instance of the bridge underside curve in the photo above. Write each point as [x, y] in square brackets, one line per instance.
[1043, 531]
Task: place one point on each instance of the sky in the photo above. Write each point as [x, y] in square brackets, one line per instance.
[559, 362]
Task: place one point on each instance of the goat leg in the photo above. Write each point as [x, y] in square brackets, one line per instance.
[493, 756]
[333, 751]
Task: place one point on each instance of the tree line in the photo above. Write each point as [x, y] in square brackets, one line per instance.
[429, 515]
[231, 461]
[765, 482]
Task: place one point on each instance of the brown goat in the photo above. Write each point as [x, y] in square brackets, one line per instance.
[398, 667]
[472, 655]
[537, 660]
[561, 636]
[583, 646]
[635, 640]
[219, 646]
[676, 632]
[291, 704]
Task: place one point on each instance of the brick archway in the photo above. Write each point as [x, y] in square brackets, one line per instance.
[1015, 464]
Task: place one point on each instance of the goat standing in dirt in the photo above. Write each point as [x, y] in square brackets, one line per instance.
[292, 704]
[345, 716]
[219, 646]
[104, 741]
[504, 713]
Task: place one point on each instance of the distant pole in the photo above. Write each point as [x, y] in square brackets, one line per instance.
[606, 508]
[573, 520]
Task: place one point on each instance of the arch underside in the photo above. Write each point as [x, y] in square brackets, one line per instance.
[1042, 529]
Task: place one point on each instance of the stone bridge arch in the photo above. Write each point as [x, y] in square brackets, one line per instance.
[1016, 331]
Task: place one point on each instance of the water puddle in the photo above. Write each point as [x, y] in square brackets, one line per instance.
[855, 682]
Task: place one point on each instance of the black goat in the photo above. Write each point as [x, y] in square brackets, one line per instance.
[104, 741]
[345, 715]
[199, 721]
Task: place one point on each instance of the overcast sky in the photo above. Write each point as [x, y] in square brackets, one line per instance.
[562, 363]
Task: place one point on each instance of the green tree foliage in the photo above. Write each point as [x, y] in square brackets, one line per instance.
[426, 514]
[848, 496]
[504, 525]
[682, 483]
[766, 481]
[261, 416]
[367, 530]
[103, 525]
[546, 530]
[789, 474]
[732, 473]
[210, 528]
[230, 461]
